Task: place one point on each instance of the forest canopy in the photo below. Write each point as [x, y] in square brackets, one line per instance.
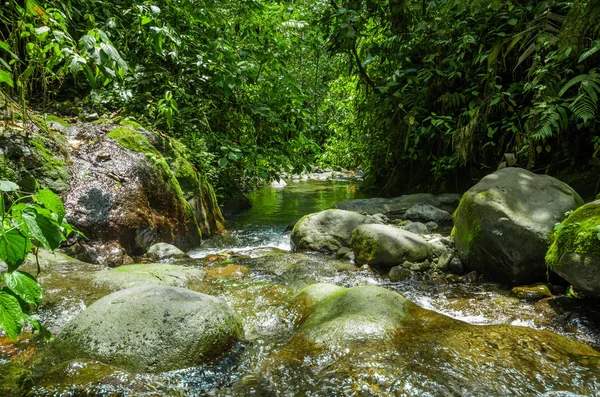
[420, 94]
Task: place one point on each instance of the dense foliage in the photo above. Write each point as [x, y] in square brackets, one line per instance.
[453, 86]
[428, 94]
[240, 82]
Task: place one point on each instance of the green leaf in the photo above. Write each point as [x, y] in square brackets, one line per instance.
[35, 321]
[14, 248]
[42, 229]
[223, 162]
[8, 186]
[11, 315]
[5, 77]
[76, 64]
[25, 286]
[590, 52]
[51, 201]
[512, 21]
[87, 42]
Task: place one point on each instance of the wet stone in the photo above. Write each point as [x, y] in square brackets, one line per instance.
[531, 292]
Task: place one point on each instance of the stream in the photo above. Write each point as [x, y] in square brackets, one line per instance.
[253, 269]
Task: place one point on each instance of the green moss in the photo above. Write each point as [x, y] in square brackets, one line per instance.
[58, 120]
[467, 226]
[131, 123]
[577, 234]
[133, 140]
[6, 172]
[365, 250]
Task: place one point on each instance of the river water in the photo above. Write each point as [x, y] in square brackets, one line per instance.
[252, 268]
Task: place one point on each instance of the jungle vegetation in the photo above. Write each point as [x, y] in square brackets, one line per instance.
[423, 95]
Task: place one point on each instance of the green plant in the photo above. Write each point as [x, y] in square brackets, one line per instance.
[27, 222]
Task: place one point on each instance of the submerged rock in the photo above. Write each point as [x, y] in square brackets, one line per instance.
[327, 230]
[575, 250]
[503, 222]
[129, 276]
[531, 292]
[152, 329]
[373, 341]
[90, 378]
[385, 246]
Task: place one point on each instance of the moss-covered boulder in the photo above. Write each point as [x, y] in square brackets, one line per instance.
[125, 187]
[136, 188]
[327, 230]
[368, 340]
[152, 329]
[502, 224]
[36, 155]
[575, 250]
[386, 246]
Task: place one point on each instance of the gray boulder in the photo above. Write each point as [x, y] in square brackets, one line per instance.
[502, 224]
[427, 213]
[152, 329]
[393, 208]
[575, 250]
[327, 230]
[386, 246]
[416, 227]
[164, 251]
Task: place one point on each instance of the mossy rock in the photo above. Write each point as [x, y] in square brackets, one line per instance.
[373, 341]
[327, 230]
[575, 250]
[36, 157]
[128, 276]
[152, 329]
[502, 223]
[385, 246]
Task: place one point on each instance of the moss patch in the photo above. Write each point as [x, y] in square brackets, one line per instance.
[133, 140]
[577, 234]
[131, 123]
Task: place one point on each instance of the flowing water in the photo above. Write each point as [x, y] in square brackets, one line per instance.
[253, 269]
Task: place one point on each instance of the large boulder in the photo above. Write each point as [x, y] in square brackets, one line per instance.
[327, 230]
[502, 224]
[393, 208]
[152, 329]
[386, 246]
[124, 187]
[373, 341]
[575, 250]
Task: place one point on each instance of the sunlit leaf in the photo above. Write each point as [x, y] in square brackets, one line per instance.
[25, 286]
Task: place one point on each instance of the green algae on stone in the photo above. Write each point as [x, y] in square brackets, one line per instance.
[128, 276]
[574, 252]
[385, 345]
[133, 140]
[83, 377]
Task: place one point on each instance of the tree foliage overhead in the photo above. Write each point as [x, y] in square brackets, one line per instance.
[453, 86]
[428, 94]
